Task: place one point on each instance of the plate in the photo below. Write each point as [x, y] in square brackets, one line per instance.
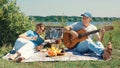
[60, 54]
[43, 50]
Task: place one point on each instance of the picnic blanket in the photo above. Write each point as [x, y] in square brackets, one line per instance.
[69, 55]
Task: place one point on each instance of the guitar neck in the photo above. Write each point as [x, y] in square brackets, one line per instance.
[88, 33]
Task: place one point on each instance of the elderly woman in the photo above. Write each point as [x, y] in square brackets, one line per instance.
[27, 42]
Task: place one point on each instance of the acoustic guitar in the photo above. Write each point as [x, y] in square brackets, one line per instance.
[71, 43]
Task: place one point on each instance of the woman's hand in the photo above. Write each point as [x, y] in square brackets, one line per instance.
[38, 48]
[34, 38]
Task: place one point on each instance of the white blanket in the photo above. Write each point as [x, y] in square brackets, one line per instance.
[68, 56]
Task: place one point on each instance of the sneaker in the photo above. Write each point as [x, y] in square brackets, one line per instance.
[14, 56]
[107, 52]
[19, 59]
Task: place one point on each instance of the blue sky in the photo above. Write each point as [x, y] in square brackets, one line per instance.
[98, 8]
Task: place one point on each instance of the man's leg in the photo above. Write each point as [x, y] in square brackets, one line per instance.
[96, 47]
[107, 52]
[82, 47]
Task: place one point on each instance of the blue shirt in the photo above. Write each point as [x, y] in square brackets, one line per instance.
[39, 40]
[79, 25]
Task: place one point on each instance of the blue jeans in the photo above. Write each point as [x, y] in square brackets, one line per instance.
[24, 47]
[90, 46]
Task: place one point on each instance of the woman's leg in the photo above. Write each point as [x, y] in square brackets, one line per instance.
[18, 44]
[27, 50]
[14, 56]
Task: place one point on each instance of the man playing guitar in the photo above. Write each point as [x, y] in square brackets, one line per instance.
[87, 45]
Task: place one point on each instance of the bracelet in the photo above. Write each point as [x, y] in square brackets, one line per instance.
[44, 43]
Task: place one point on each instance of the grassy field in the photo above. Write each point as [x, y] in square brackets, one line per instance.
[113, 36]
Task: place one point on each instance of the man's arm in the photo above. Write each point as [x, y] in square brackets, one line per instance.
[102, 31]
[101, 35]
[68, 29]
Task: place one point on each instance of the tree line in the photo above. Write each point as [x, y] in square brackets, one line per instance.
[71, 19]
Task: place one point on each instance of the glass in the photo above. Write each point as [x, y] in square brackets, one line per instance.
[54, 46]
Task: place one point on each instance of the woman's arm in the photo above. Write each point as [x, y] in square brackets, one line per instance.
[24, 35]
[39, 47]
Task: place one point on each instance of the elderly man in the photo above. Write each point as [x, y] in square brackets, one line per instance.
[88, 45]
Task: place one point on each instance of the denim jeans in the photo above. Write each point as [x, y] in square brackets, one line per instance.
[25, 47]
[89, 46]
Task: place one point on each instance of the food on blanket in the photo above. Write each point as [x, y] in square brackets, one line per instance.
[53, 48]
[43, 50]
[53, 51]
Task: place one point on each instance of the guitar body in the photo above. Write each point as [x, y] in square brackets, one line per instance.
[71, 43]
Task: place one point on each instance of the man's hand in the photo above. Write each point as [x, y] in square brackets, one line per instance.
[74, 34]
[102, 30]
[67, 29]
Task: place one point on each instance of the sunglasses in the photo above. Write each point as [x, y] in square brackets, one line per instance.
[42, 29]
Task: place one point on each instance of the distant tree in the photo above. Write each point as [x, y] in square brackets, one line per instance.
[71, 19]
[12, 22]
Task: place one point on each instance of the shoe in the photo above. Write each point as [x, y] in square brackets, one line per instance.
[107, 52]
[19, 59]
[12, 57]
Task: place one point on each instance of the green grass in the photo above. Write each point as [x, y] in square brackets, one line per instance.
[114, 63]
